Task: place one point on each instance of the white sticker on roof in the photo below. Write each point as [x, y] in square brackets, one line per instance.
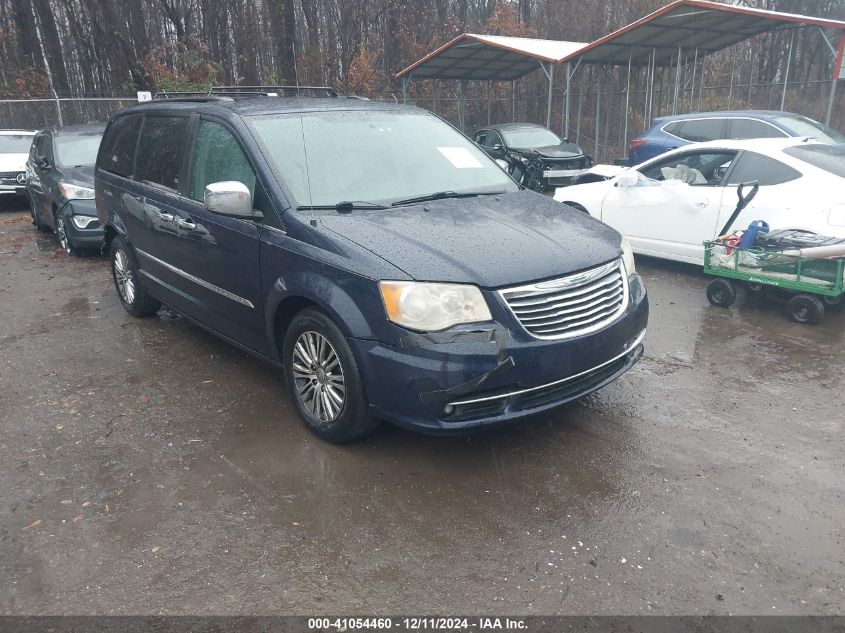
[460, 157]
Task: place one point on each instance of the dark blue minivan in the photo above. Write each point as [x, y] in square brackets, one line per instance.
[389, 266]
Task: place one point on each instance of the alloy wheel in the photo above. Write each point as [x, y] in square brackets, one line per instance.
[61, 231]
[123, 276]
[318, 376]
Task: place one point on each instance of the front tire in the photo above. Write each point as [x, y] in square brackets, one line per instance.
[323, 379]
[134, 297]
[64, 238]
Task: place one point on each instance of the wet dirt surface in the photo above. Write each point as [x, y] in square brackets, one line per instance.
[148, 467]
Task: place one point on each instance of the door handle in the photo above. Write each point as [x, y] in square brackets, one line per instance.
[702, 204]
[167, 217]
[186, 224]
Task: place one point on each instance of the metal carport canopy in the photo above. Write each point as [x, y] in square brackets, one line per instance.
[690, 24]
[489, 57]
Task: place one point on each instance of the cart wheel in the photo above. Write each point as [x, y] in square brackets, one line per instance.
[834, 303]
[806, 309]
[721, 292]
[754, 288]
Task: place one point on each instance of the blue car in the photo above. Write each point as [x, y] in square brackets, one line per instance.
[388, 266]
[670, 132]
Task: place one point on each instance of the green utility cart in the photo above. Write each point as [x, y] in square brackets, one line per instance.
[809, 285]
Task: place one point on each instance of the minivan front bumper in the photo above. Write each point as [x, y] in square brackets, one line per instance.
[469, 377]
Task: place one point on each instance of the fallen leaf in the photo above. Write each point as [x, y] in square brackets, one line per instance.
[155, 549]
[78, 518]
[35, 523]
[107, 508]
[86, 504]
[295, 524]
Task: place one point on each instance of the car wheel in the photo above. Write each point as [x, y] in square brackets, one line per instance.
[64, 239]
[806, 309]
[721, 293]
[323, 379]
[36, 221]
[577, 207]
[134, 297]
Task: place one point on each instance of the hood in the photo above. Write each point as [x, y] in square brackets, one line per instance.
[13, 162]
[564, 150]
[82, 175]
[490, 241]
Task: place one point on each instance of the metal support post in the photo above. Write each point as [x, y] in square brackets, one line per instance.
[597, 151]
[786, 75]
[627, 98]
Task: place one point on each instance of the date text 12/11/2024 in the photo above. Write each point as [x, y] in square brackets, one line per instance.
[416, 624]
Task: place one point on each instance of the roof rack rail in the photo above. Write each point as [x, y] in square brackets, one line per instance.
[268, 91]
[200, 97]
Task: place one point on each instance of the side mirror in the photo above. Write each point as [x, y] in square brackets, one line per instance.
[627, 179]
[498, 148]
[229, 197]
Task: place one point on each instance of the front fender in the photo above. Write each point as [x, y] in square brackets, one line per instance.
[352, 302]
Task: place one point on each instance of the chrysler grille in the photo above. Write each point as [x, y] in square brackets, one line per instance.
[573, 305]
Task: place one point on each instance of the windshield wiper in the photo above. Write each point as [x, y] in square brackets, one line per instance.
[440, 195]
[344, 206]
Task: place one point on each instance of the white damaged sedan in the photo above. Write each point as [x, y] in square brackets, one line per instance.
[669, 205]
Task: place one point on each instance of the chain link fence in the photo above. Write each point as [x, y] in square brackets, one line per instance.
[485, 105]
[36, 114]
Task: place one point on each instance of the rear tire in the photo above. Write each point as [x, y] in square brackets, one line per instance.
[36, 221]
[134, 297]
[807, 309]
[721, 293]
[323, 379]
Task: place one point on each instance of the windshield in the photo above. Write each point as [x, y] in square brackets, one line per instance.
[802, 126]
[380, 157]
[530, 137]
[77, 149]
[831, 158]
[15, 143]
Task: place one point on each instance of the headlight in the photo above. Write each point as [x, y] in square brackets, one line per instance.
[430, 307]
[75, 192]
[83, 221]
[628, 257]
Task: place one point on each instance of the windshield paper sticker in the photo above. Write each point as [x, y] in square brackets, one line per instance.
[460, 157]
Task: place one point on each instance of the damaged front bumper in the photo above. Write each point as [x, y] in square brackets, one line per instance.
[479, 376]
[91, 234]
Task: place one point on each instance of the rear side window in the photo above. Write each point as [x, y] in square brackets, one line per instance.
[674, 127]
[751, 167]
[117, 150]
[700, 130]
[749, 128]
[831, 158]
[161, 149]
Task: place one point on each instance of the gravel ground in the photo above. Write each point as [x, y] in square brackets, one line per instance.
[148, 467]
